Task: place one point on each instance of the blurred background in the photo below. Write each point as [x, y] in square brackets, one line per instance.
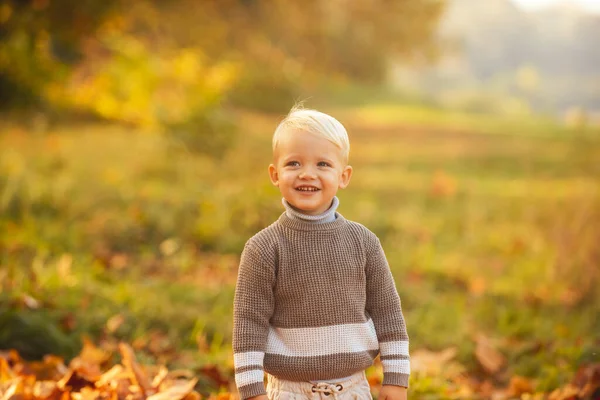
[134, 142]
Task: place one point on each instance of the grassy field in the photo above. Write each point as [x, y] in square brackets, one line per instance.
[491, 227]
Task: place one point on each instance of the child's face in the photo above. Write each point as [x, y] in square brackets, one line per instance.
[308, 170]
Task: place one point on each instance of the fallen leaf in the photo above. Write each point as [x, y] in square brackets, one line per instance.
[114, 323]
[175, 392]
[487, 355]
[477, 286]
[587, 379]
[91, 354]
[214, 374]
[519, 385]
[137, 374]
[86, 394]
[11, 391]
[45, 389]
[85, 370]
[221, 396]
[50, 368]
[192, 396]
[109, 376]
[374, 380]
[443, 184]
[72, 381]
[160, 377]
[566, 393]
[430, 362]
[5, 372]
[30, 302]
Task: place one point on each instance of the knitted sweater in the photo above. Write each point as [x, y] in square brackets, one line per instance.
[315, 302]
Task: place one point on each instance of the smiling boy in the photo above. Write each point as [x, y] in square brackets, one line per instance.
[315, 300]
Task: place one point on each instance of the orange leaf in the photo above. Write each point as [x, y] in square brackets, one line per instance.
[45, 389]
[192, 396]
[519, 385]
[566, 393]
[73, 381]
[477, 286]
[91, 354]
[175, 392]
[214, 374]
[374, 380]
[487, 355]
[51, 368]
[109, 376]
[5, 372]
[87, 371]
[86, 394]
[160, 376]
[443, 185]
[114, 323]
[137, 374]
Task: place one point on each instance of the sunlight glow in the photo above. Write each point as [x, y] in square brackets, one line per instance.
[588, 5]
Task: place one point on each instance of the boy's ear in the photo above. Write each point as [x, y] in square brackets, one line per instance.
[346, 175]
[273, 175]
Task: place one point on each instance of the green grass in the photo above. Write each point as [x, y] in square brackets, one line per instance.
[387, 115]
[490, 226]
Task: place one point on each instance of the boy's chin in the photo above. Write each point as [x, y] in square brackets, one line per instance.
[310, 210]
[305, 209]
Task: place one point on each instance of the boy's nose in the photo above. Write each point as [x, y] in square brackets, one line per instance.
[307, 173]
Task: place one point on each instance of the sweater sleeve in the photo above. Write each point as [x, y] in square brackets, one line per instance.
[252, 310]
[383, 305]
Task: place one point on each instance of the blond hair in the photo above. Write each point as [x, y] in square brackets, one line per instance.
[317, 123]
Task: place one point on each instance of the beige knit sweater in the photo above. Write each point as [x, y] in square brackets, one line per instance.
[316, 302]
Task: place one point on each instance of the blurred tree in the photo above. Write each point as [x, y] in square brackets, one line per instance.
[284, 44]
[39, 40]
[281, 44]
[350, 37]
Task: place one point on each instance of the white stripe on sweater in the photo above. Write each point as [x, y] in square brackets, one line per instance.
[249, 377]
[249, 358]
[321, 341]
[398, 366]
[398, 348]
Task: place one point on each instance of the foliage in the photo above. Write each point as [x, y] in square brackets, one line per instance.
[109, 69]
[489, 225]
[152, 61]
[265, 90]
[39, 40]
[92, 374]
[353, 39]
[137, 86]
[84, 378]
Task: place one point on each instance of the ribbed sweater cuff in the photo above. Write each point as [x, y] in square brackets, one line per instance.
[254, 389]
[393, 378]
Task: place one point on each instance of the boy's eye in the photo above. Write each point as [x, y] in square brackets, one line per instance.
[323, 164]
[292, 164]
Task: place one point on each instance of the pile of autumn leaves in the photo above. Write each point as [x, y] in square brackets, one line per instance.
[89, 376]
[83, 378]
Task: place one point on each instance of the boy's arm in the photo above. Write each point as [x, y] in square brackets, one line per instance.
[383, 305]
[252, 310]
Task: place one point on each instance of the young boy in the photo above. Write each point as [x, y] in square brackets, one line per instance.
[315, 300]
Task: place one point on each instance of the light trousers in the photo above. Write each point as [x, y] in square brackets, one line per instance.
[356, 387]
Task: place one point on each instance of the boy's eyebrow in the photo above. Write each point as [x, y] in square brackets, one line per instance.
[296, 156]
[329, 160]
[289, 157]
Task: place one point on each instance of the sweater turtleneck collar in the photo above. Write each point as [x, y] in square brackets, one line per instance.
[298, 224]
[327, 216]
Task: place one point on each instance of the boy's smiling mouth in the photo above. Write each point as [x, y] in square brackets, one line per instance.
[307, 189]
